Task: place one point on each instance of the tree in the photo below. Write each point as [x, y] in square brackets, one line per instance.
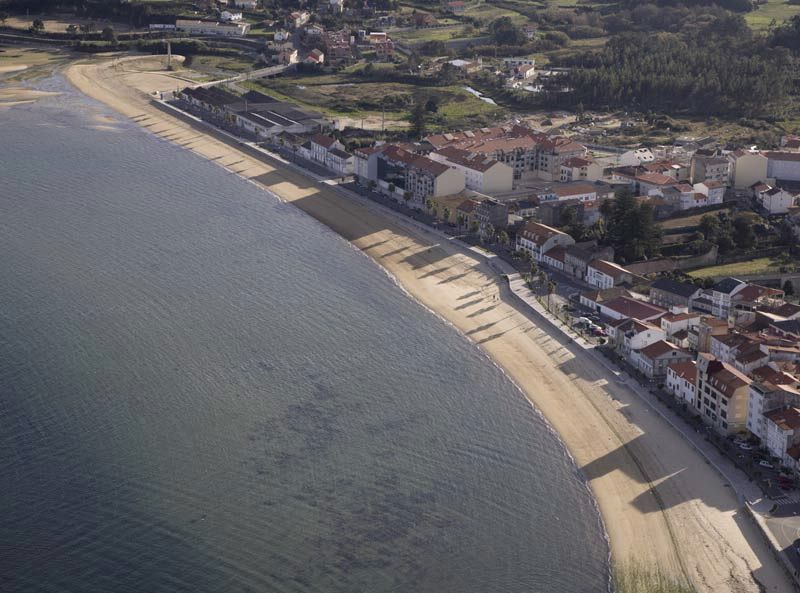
[460, 220]
[568, 216]
[743, 235]
[505, 32]
[431, 105]
[710, 227]
[788, 288]
[418, 118]
[551, 288]
[429, 204]
[37, 26]
[503, 238]
[406, 196]
[534, 269]
[489, 231]
[607, 208]
[473, 227]
[391, 188]
[446, 214]
[109, 35]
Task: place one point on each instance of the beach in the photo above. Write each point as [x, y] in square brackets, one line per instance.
[662, 505]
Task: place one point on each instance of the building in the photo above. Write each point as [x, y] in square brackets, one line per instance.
[315, 56]
[774, 200]
[212, 28]
[623, 307]
[481, 173]
[298, 18]
[681, 381]
[770, 390]
[709, 167]
[722, 395]
[747, 167]
[456, 6]
[321, 144]
[365, 163]
[722, 295]
[674, 322]
[491, 214]
[581, 169]
[555, 258]
[415, 176]
[708, 327]
[585, 192]
[339, 161]
[230, 17]
[782, 433]
[384, 50]
[537, 239]
[578, 256]
[632, 335]
[713, 190]
[605, 274]
[669, 293]
[783, 166]
[652, 360]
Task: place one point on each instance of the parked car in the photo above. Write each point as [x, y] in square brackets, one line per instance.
[766, 464]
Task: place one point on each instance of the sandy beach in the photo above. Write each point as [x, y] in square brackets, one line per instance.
[662, 505]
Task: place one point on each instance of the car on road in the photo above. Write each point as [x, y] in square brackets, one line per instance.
[746, 447]
[766, 464]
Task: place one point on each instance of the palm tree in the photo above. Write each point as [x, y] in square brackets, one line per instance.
[551, 288]
[460, 220]
[488, 231]
[446, 214]
[534, 269]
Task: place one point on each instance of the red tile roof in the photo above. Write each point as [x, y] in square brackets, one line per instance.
[656, 179]
[322, 140]
[659, 349]
[684, 370]
[788, 419]
[608, 268]
[634, 309]
[539, 233]
[465, 158]
[557, 253]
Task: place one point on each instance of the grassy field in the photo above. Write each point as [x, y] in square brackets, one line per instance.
[762, 265]
[336, 95]
[489, 12]
[687, 221]
[432, 34]
[779, 10]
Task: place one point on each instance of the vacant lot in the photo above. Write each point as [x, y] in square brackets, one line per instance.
[688, 221]
[342, 96]
[762, 265]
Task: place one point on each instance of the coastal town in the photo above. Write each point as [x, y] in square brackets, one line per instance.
[666, 253]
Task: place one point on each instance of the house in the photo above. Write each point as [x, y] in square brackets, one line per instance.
[491, 214]
[230, 17]
[481, 173]
[578, 256]
[581, 168]
[212, 28]
[555, 258]
[775, 200]
[526, 208]
[315, 56]
[681, 381]
[782, 433]
[722, 296]
[384, 50]
[652, 360]
[728, 346]
[321, 144]
[670, 293]
[465, 213]
[634, 335]
[287, 55]
[281, 35]
[593, 299]
[468, 66]
[648, 184]
[423, 19]
[573, 191]
[377, 37]
[340, 161]
[709, 167]
[747, 167]
[708, 327]
[298, 18]
[783, 166]
[314, 32]
[365, 163]
[713, 190]
[537, 239]
[605, 274]
[722, 395]
[529, 31]
[770, 390]
[624, 306]
[456, 7]
[524, 72]
[683, 321]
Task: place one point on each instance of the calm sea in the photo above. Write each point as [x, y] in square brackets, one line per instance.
[204, 390]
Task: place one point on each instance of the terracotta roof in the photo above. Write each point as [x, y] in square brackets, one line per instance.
[368, 150]
[574, 189]
[723, 377]
[429, 165]
[712, 184]
[632, 308]
[686, 370]
[322, 140]
[656, 179]
[673, 317]
[465, 158]
[608, 268]
[557, 253]
[396, 153]
[661, 348]
[576, 161]
[539, 233]
[467, 206]
[787, 419]
[755, 291]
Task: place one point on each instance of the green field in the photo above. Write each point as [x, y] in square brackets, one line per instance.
[762, 265]
[489, 12]
[778, 10]
[338, 95]
[688, 221]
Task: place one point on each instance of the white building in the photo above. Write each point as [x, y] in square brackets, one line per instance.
[537, 239]
[321, 144]
[783, 432]
[776, 200]
[230, 17]
[340, 161]
[682, 381]
[783, 166]
[212, 28]
[713, 190]
[605, 274]
[481, 172]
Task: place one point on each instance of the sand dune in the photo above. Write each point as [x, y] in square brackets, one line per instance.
[662, 505]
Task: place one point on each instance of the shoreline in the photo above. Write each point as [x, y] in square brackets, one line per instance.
[645, 480]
